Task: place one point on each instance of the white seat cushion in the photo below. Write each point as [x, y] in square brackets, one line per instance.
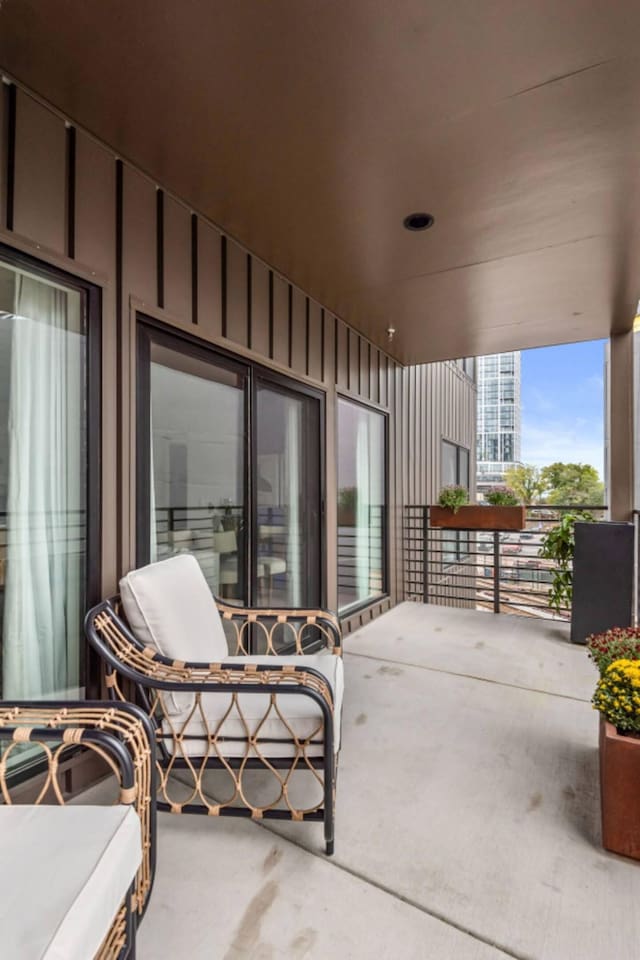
[300, 711]
[170, 607]
[64, 872]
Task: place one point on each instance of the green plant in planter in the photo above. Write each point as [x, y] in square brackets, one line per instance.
[453, 497]
[501, 496]
[617, 695]
[618, 643]
[559, 545]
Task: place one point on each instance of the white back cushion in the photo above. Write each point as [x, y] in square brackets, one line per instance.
[170, 607]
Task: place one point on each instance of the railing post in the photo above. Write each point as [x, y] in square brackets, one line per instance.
[496, 571]
[425, 568]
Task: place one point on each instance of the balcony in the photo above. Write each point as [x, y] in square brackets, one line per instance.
[467, 821]
[486, 569]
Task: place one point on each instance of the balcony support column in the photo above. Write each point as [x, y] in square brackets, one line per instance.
[620, 453]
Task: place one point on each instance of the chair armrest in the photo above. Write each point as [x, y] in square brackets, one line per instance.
[151, 670]
[122, 735]
[293, 623]
[124, 656]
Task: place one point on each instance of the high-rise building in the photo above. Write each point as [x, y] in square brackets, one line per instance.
[499, 417]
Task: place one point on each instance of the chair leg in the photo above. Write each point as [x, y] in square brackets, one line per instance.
[330, 815]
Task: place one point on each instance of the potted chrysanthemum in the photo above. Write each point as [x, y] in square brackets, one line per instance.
[617, 697]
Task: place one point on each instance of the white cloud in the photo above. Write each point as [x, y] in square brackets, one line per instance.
[570, 441]
[540, 401]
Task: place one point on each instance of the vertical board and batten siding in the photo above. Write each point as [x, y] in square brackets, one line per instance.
[440, 404]
[71, 201]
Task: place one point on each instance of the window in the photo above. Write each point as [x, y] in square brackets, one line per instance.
[455, 470]
[507, 447]
[362, 504]
[507, 363]
[507, 418]
[49, 387]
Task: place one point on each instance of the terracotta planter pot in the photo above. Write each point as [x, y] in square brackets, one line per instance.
[475, 517]
[619, 791]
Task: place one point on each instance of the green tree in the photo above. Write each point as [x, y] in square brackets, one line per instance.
[570, 483]
[526, 482]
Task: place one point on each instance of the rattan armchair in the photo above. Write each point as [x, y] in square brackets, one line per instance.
[122, 736]
[266, 696]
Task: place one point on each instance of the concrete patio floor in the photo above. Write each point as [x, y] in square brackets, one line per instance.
[467, 817]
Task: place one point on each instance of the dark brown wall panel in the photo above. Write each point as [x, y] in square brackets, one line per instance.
[95, 222]
[40, 175]
[280, 320]
[298, 331]
[236, 293]
[139, 237]
[374, 375]
[259, 307]
[329, 349]
[177, 260]
[4, 146]
[365, 368]
[353, 373]
[315, 340]
[342, 358]
[384, 379]
[209, 298]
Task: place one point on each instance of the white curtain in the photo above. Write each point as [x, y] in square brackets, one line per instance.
[363, 508]
[153, 520]
[369, 501]
[46, 523]
[293, 468]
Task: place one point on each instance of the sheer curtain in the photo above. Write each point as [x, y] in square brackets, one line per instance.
[45, 497]
[292, 482]
[153, 519]
[363, 508]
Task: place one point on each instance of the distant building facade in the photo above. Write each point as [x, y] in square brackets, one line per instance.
[499, 417]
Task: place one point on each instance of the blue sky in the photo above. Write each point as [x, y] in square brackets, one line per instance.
[563, 404]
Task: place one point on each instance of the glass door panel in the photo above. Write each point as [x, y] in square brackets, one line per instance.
[288, 497]
[43, 486]
[197, 465]
[362, 504]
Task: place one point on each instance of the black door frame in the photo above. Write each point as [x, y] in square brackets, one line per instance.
[91, 299]
[150, 328]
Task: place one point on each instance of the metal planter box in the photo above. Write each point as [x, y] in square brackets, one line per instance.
[474, 517]
[602, 578]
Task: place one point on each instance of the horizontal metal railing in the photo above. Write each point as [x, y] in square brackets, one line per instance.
[483, 569]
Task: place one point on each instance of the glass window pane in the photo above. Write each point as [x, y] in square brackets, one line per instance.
[463, 478]
[449, 464]
[288, 498]
[43, 510]
[197, 466]
[361, 504]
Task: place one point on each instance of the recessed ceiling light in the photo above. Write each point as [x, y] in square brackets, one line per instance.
[418, 221]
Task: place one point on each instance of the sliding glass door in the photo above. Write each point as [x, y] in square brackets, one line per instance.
[193, 414]
[287, 496]
[362, 504]
[229, 469]
[48, 510]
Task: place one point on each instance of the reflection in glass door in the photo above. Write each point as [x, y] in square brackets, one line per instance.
[196, 468]
[288, 497]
